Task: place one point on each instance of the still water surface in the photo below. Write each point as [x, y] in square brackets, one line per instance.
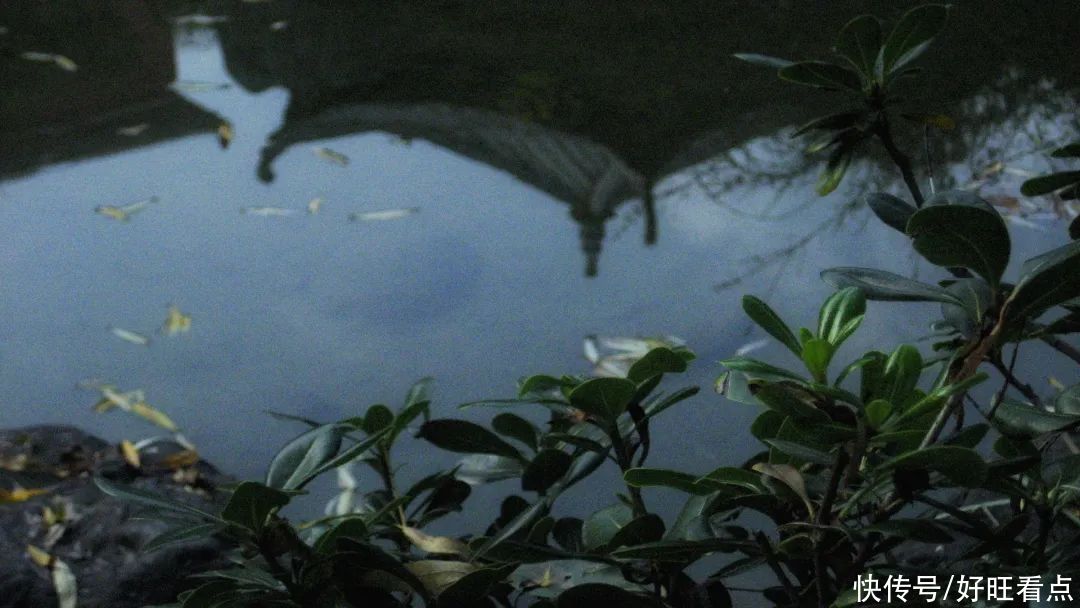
[571, 179]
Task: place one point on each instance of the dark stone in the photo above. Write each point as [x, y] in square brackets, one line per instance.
[103, 539]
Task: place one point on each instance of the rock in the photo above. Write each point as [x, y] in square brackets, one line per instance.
[99, 537]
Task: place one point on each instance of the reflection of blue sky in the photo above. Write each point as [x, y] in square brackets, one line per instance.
[320, 317]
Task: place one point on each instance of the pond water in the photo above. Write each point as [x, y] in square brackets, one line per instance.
[575, 173]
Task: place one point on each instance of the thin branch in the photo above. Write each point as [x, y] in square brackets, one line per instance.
[770, 559]
[899, 159]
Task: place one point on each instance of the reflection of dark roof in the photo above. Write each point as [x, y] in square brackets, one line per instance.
[169, 116]
[125, 62]
[569, 168]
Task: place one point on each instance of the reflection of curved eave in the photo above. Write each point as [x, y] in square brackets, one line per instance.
[572, 169]
[167, 116]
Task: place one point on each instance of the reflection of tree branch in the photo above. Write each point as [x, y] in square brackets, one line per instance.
[758, 263]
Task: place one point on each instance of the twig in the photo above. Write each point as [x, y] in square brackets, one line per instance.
[899, 159]
[824, 515]
[770, 558]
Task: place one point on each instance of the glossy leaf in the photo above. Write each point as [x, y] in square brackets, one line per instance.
[648, 477]
[949, 231]
[789, 401]
[816, 354]
[601, 526]
[1049, 280]
[822, 75]
[893, 211]
[860, 42]
[975, 297]
[830, 122]
[592, 595]
[835, 168]
[180, 534]
[251, 503]
[765, 60]
[838, 311]
[351, 527]
[1022, 420]
[515, 427]
[910, 37]
[962, 466]
[886, 286]
[152, 500]
[658, 361]
[548, 467]
[645, 529]
[604, 398]
[767, 319]
[466, 438]
[920, 530]
[1068, 401]
[291, 467]
[377, 418]
[1046, 184]
[465, 592]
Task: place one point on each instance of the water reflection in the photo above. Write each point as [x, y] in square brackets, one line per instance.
[633, 117]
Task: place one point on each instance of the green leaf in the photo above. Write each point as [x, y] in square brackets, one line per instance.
[658, 361]
[901, 374]
[919, 530]
[567, 534]
[515, 427]
[821, 75]
[955, 229]
[764, 316]
[467, 438]
[350, 527]
[546, 468]
[648, 477]
[485, 468]
[877, 411]
[800, 451]
[860, 43]
[891, 210]
[831, 122]
[765, 60]
[1046, 184]
[346, 456]
[1068, 401]
[910, 37]
[251, 503]
[592, 595]
[816, 354]
[683, 551]
[961, 465]
[603, 398]
[1074, 228]
[1048, 280]
[469, 589]
[292, 466]
[1070, 151]
[179, 535]
[760, 370]
[601, 526]
[835, 168]
[732, 477]
[405, 417]
[838, 311]
[520, 521]
[1021, 420]
[645, 529]
[789, 401]
[886, 286]
[377, 418]
[540, 384]
[152, 499]
[975, 297]
[659, 404]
